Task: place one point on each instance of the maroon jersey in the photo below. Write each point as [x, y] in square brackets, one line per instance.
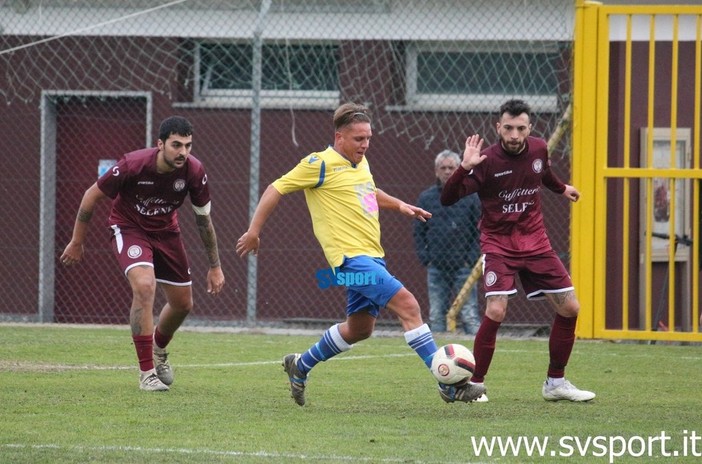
[147, 199]
[509, 188]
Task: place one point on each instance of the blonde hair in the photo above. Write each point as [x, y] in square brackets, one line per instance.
[349, 113]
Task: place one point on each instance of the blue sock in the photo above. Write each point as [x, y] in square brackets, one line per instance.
[422, 342]
[327, 347]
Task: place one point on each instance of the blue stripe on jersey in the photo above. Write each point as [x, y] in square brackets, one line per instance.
[322, 173]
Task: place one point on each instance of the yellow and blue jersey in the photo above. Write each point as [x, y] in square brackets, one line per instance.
[341, 198]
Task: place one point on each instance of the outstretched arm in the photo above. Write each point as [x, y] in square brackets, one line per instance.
[73, 253]
[455, 188]
[250, 241]
[386, 201]
[215, 276]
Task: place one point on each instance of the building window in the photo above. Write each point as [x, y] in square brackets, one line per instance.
[452, 78]
[298, 75]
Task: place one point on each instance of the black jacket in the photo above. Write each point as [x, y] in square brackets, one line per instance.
[450, 239]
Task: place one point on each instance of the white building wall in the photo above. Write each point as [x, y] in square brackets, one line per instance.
[430, 20]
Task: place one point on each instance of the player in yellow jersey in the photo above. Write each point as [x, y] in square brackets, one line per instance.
[344, 204]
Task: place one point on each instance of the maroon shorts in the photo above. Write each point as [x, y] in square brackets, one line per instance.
[540, 274]
[164, 251]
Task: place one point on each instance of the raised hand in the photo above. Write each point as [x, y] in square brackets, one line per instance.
[471, 155]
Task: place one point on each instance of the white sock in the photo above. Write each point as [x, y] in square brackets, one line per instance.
[555, 382]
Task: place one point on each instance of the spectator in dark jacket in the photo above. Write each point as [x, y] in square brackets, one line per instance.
[447, 245]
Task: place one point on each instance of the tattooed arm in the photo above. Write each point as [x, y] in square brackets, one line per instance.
[73, 253]
[215, 276]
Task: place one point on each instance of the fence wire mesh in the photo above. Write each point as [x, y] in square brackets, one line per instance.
[83, 82]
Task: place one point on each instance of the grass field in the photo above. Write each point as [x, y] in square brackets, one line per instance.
[71, 395]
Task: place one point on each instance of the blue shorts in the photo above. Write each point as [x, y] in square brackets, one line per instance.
[377, 285]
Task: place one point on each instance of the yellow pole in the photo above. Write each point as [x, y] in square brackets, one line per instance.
[584, 159]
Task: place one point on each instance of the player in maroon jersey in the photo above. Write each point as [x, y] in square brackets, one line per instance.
[508, 177]
[147, 187]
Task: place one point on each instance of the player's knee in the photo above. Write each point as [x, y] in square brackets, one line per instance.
[570, 310]
[496, 309]
[364, 333]
[497, 314]
[144, 288]
[185, 308]
[355, 334]
[183, 305]
[567, 305]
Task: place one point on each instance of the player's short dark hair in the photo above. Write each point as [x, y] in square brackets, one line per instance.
[174, 125]
[348, 113]
[515, 108]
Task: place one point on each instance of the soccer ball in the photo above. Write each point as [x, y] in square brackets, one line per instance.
[452, 363]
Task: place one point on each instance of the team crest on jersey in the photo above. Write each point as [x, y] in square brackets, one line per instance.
[490, 279]
[537, 166]
[179, 185]
[134, 251]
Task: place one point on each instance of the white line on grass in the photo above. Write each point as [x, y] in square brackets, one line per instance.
[29, 366]
[207, 452]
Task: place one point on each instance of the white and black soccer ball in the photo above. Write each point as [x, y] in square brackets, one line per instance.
[452, 363]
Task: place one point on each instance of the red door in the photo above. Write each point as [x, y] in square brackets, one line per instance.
[90, 129]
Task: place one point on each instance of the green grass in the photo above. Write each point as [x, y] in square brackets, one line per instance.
[71, 395]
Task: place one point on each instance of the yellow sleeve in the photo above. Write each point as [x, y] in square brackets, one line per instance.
[308, 173]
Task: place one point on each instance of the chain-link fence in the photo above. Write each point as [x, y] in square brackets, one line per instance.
[82, 82]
